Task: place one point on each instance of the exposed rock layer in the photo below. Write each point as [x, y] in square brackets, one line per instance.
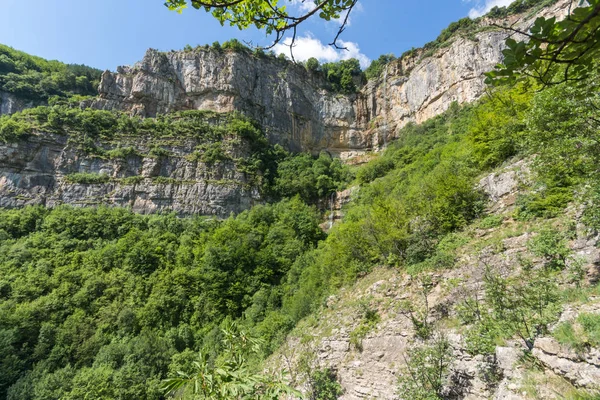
[294, 106]
[10, 103]
[37, 172]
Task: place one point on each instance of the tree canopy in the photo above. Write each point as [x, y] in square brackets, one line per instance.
[274, 16]
[553, 51]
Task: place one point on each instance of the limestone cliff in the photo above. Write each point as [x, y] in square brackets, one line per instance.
[144, 173]
[291, 104]
[295, 107]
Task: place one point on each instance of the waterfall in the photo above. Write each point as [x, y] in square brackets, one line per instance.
[384, 127]
[331, 206]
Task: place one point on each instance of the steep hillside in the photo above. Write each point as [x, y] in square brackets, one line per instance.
[471, 240]
[459, 262]
[27, 81]
[294, 107]
[367, 333]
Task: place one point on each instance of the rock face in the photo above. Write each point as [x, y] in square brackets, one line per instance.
[294, 106]
[10, 104]
[291, 104]
[40, 171]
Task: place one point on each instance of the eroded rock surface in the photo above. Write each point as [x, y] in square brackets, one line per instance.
[10, 104]
[37, 171]
[295, 107]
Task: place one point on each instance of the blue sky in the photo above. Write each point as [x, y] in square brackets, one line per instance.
[108, 33]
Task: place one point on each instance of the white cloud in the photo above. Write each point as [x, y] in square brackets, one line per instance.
[304, 5]
[308, 46]
[483, 7]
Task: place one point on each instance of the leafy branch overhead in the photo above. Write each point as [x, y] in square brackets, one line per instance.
[552, 51]
[230, 377]
[276, 17]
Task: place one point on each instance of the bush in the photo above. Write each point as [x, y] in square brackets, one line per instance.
[234, 45]
[324, 385]
[582, 334]
[515, 306]
[312, 64]
[122, 152]
[427, 370]
[377, 67]
[12, 130]
[158, 152]
[369, 318]
[342, 74]
[552, 246]
[374, 169]
[310, 178]
[87, 178]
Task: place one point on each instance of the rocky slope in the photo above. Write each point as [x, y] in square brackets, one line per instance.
[369, 367]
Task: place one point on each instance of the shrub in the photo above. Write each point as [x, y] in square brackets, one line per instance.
[12, 130]
[312, 64]
[341, 75]
[426, 371]
[516, 306]
[374, 169]
[158, 152]
[324, 385]
[234, 45]
[552, 246]
[122, 152]
[369, 318]
[377, 67]
[87, 178]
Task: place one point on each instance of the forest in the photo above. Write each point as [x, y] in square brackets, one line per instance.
[107, 303]
[37, 79]
[104, 303]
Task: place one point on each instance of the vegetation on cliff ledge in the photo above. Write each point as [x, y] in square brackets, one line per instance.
[111, 303]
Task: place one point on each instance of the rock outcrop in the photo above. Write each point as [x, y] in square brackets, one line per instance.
[43, 170]
[295, 107]
[10, 103]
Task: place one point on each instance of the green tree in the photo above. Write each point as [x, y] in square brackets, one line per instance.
[427, 369]
[38, 79]
[274, 17]
[324, 385]
[342, 75]
[312, 64]
[378, 66]
[230, 377]
[554, 51]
